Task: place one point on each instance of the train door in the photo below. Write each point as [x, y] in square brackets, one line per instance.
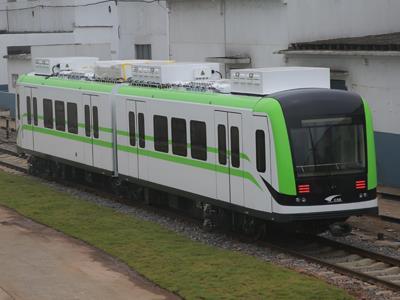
[136, 126]
[228, 128]
[29, 118]
[88, 130]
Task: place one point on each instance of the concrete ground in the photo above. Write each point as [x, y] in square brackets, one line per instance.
[37, 262]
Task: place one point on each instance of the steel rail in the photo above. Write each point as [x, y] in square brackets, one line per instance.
[337, 246]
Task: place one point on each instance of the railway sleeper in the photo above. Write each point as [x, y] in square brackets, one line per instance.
[374, 267]
[390, 277]
[347, 258]
[334, 255]
[387, 271]
[363, 262]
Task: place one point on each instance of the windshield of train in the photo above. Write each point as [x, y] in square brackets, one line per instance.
[328, 146]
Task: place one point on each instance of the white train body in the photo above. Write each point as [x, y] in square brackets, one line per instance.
[175, 156]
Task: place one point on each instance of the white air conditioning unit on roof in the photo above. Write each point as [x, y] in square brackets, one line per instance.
[265, 81]
[53, 65]
[173, 73]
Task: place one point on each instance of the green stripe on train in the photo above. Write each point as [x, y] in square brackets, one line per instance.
[283, 154]
[372, 177]
[144, 152]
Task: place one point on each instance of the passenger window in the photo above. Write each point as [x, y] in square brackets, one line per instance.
[235, 148]
[160, 133]
[132, 137]
[48, 113]
[87, 120]
[222, 144]
[18, 109]
[179, 139]
[95, 122]
[60, 115]
[72, 117]
[35, 114]
[28, 109]
[198, 139]
[142, 141]
[260, 151]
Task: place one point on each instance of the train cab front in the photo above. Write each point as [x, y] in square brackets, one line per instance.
[330, 137]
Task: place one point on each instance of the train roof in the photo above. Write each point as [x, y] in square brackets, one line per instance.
[196, 97]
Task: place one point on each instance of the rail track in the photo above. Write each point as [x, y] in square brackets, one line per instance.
[12, 160]
[345, 259]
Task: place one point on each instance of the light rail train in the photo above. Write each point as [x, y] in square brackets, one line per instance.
[303, 156]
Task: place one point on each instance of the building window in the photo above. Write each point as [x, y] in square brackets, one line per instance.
[338, 84]
[260, 151]
[143, 51]
[132, 136]
[235, 148]
[160, 133]
[142, 140]
[28, 110]
[95, 122]
[179, 139]
[60, 115]
[48, 113]
[35, 114]
[87, 120]
[222, 144]
[72, 117]
[198, 139]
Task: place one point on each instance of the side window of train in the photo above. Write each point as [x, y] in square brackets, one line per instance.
[160, 124]
[132, 135]
[235, 148]
[142, 140]
[28, 110]
[198, 140]
[72, 117]
[35, 114]
[87, 120]
[48, 113]
[95, 122]
[260, 151]
[179, 137]
[18, 108]
[60, 115]
[222, 158]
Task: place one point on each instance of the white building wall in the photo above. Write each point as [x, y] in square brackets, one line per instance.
[310, 20]
[39, 19]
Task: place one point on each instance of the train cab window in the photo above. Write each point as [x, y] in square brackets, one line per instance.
[198, 139]
[235, 148]
[95, 122]
[260, 151]
[179, 138]
[142, 141]
[160, 133]
[72, 117]
[48, 113]
[132, 135]
[87, 120]
[18, 108]
[222, 158]
[28, 110]
[60, 115]
[35, 113]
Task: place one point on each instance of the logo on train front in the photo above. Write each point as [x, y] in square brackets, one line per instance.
[334, 199]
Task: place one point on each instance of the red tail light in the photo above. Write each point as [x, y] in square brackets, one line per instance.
[360, 184]
[303, 188]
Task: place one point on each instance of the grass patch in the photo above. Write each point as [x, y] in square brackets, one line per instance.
[188, 268]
